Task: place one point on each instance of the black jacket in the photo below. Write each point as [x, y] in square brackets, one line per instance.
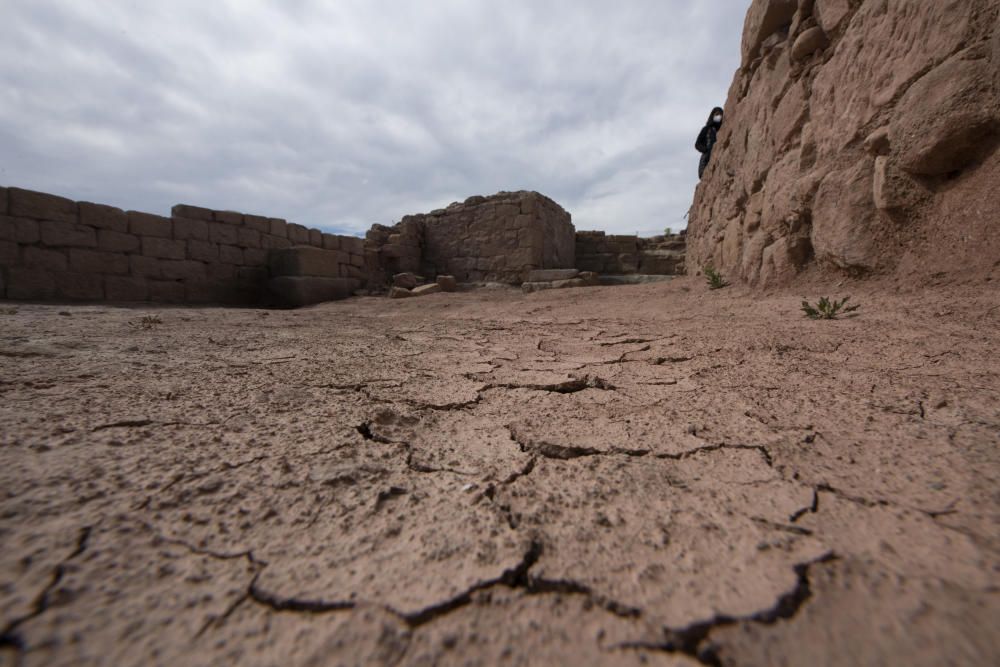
[706, 138]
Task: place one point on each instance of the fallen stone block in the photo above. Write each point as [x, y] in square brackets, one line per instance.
[399, 293]
[528, 288]
[564, 284]
[296, 291]
[426, 289]
[548, 275]
[447, 283]
[406, 280]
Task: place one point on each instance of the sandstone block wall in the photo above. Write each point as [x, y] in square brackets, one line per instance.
[499, 238]
[860, 135]
[56, 248]
[627, 254]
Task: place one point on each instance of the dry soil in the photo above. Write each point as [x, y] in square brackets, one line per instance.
[655, 474]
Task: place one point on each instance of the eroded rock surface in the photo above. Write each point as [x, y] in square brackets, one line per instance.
[860, 136]
[653, 474]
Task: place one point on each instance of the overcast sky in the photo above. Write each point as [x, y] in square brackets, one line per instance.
[343, 113]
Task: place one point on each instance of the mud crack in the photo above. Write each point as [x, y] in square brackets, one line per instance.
[695, 639]
[9, 636]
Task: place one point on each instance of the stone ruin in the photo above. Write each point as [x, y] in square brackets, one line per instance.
[54, 248]
[483, 239]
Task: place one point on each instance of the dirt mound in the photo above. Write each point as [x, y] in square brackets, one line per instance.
[860, 136]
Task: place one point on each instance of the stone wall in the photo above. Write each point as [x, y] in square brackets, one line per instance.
[859, 135]
[55, 248]
[483, 239]
[612, 254]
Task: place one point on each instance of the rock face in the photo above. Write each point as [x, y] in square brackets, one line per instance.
[859, 135]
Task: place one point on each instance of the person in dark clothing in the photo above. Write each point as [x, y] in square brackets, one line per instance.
[706, 138]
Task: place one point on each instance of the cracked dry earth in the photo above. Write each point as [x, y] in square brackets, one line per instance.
[629, 475]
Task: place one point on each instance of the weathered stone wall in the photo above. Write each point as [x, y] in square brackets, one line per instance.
[55, 248]
[493, 239]
[860, 135]
[612, 254]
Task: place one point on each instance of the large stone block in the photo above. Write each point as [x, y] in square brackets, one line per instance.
[4, 206]
[45, 258]
[10, 254]
[94, 261]
[184, 269]
[255, 256]
[831, 13]
[763, 19]
[203, 251]
[269, 242]
[102, 216]
[163, 248]
[80, 286]
[295, 291]
[258, 223]
[144, 267]
[844, 219]
[228, 217]
[352, 245]
[316, 238]
[25, 283]
[55, 233]
[220, 232]
[948, 119]
[125, 288]
[113, 241]
[147, 224]
[248, 238]
[26, 230]
[331, 242]
[279, 228]
[548, 275]
[230, 254]
[41, 205]
[306, 261]
[298, 234]
[186, 229]
[219, 272]
[192, 212]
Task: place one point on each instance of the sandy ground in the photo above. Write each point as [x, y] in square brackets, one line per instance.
[654, 474]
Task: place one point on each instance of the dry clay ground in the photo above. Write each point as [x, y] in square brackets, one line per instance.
[654, 475]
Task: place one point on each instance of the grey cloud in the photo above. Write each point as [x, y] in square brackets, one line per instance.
[340, 115]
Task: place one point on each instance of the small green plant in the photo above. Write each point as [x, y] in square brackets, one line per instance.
[826, 309]
[8, 311]
[714, 278]
[147, 322]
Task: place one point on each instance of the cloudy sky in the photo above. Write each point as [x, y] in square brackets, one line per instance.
[343, 113]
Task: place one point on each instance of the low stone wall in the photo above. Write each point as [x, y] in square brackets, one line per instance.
[612, 254]
[56, 248]
[494, 239]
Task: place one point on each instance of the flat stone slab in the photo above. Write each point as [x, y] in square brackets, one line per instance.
[296, 291]
[633, 279]
[548, 275]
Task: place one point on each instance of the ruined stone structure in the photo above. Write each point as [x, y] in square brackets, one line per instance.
[494, 239]
[860, 135]
[626, 254]
[55, 248]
